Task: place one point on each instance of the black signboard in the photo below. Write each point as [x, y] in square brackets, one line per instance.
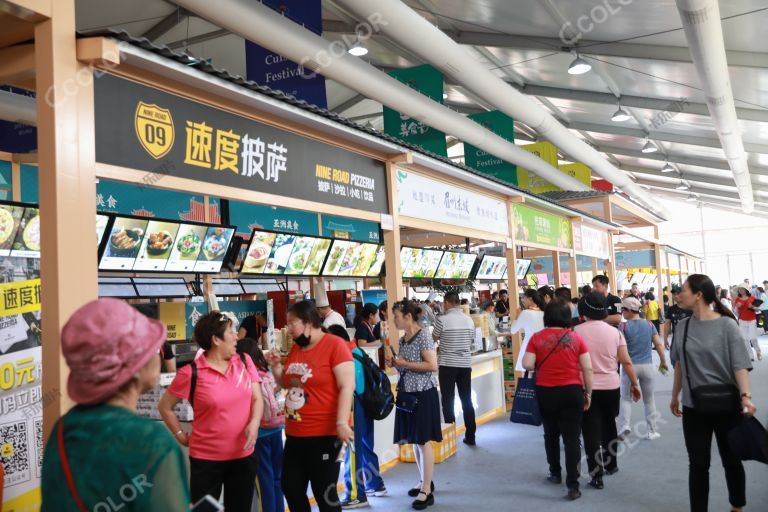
[143, 128]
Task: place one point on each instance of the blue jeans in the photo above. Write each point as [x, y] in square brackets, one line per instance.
[269, 453]
[362, 463]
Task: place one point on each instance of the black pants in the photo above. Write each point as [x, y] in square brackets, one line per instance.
[698, 429]
[561, 411]
[311, 460]
[599, 430]
[450, 378]
[238, 477]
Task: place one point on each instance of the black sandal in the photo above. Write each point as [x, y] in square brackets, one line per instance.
[421, 505]
[413, 493]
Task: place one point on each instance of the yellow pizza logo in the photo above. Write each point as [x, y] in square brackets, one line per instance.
[154, 128]
[6, 450]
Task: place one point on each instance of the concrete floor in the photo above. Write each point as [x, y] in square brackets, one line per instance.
[507, 470]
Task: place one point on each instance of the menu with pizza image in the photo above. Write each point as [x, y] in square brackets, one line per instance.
[10, 217]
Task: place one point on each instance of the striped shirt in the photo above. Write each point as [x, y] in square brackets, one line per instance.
[456, 332]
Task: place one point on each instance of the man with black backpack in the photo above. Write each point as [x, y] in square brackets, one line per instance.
[362, 476]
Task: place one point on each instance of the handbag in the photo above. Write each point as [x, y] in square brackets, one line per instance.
[525, 408]
[710, 398]
[406, 402]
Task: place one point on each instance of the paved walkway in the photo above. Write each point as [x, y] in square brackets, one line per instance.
[507, 470]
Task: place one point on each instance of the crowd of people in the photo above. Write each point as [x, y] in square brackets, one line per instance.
[591, 357]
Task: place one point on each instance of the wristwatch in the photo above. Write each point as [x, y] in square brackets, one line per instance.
[746, 395]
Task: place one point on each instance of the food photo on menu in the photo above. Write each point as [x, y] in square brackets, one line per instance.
[350, 259]
[317, 257]
[101, 226]
[281, 252]
[448, 266]
[375, 269]
[27, 242]
[214, 249]
[156, 246]
[367, 256]
[299, 258]
[338, 251]
[10, 218]
[409, 257]
[258, 252]
[123, 245]
[186, 248]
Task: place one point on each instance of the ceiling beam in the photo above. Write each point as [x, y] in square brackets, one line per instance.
[348, 104]
[202, 38]
[725, 196]
[675, 158]
[673, 106]
[586, 47]
[692, 140]
[712, 202]
[692, 177]
[162, 27]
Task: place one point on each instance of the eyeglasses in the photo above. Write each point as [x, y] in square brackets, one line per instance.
[293, 322]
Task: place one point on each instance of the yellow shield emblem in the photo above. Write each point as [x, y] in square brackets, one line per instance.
[154, 128]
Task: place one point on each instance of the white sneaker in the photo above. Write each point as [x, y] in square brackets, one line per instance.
[651, 436]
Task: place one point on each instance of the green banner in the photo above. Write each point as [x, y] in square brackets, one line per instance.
[502, 125]
[350, 229]
[543, 228]
[429, 82]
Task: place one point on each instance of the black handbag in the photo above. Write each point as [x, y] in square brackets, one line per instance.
[404, 401]
[711, 398]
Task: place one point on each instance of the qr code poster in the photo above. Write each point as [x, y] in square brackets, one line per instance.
[14, 453]
[39, 446]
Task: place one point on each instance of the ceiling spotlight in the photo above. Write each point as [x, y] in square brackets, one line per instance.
[357, 49]
[579, 66]
[682, 186]
[667, 168]
[620, 115]
[650, 147]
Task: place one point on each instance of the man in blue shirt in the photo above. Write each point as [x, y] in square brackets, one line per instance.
[642, 337]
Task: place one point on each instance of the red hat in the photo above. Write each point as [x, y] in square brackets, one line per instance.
[105, 343]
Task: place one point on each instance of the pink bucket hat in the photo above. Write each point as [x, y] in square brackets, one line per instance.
[105, 343]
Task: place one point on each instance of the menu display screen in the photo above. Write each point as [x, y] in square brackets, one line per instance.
[10, 218]
[101, 226]
[354, 259]
[284, 254]
[186, 248]
[522, 268]
[123, 245]
[419, 263]
[492, 268]
[27, 240]
[456, 265]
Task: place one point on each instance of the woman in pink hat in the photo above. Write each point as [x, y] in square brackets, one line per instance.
[101, 455]
[227, 404]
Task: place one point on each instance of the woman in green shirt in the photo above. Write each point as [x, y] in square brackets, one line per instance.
[101, 456]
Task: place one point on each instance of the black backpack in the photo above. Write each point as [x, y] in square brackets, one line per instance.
[377, 399]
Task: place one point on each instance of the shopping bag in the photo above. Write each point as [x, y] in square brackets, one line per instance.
[525, 408]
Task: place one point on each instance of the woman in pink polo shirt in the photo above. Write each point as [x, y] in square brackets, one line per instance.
[320, 378]
[227, 405]
[607, 349]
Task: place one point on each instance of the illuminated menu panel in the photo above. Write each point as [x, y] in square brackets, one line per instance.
[27, 240]
[492, 268]
[285, 254]
[456, 265]
[419, 263]
[10, 218]
[124, 243]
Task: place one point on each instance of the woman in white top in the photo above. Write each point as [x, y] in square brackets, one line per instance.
[530, 321]
[725, 301]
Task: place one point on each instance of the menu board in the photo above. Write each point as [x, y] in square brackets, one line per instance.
[354, 259]
[122, 248]
[214, 249]
[10, 218]
[456, 265]
[27, 240]
[156, 246]
[492, 268]
[285, 254]
[419, 263]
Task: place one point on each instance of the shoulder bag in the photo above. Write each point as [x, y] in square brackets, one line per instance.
[525, 407]
[710, 398]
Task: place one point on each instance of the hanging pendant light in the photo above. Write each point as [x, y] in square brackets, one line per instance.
[620, 115]
[579, 66]
[667, 167]
[682, 186]
[650, 147]
[357, 49]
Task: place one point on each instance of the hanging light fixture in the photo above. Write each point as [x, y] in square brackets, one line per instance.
[682, 186]
[357, 49]
[667, 167]
[620, 115]
[579, 66]
[691, 198]
[650, 147]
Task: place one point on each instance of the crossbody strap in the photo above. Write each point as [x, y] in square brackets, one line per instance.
[66, 468]
[553, 350]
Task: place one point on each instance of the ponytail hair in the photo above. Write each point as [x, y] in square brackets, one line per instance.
[535, 297]
[700, 283]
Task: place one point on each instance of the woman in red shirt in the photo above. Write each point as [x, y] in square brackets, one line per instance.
[561, 358]
[747, 316]
[320, 378]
